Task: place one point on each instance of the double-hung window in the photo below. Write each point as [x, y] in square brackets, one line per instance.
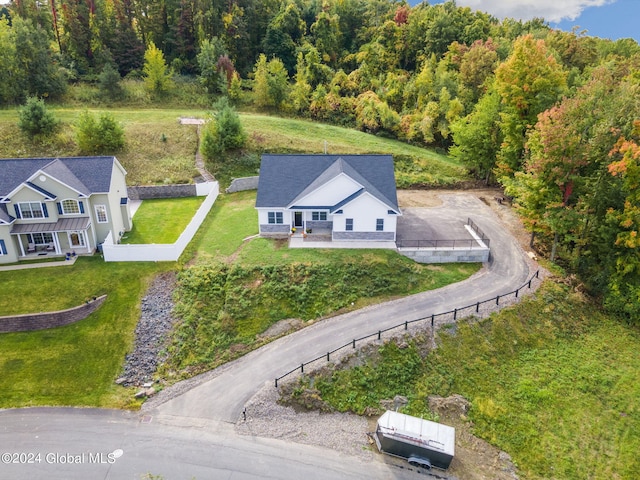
[318, 216]
[31, 210]
[379, 224]
[101, 214]
[349, 224]
[275, 217]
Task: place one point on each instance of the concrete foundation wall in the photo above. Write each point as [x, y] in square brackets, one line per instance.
[40, 321]
[425, 255]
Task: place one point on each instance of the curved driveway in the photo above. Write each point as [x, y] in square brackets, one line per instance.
[190, 435]
[222, 398]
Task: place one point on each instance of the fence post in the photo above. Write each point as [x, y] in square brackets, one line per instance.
[529, 283]
[379, 333]
[538, 274]
[302, 368]
[276, 383]
[455, 313]
[406, 325]
[327, 356]
[517, 292]
[498, 300]
[432, 319]
[354, 343]
[477, 307]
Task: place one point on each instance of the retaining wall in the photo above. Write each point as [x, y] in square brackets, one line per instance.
[435, 255]
[161, 191]
[241, 184]
[41, 321]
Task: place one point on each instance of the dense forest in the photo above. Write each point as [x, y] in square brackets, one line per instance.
[552, 116]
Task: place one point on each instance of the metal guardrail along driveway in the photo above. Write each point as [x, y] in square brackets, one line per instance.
[405, 325]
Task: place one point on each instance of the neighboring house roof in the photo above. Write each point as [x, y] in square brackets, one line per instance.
[86, 175]
[4, 214]
[285, 179]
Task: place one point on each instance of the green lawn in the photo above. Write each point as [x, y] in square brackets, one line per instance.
[162, 220]
[76, 364]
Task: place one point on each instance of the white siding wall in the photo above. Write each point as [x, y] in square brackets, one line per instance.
[331, 192]
[263, 215]
[365, 210]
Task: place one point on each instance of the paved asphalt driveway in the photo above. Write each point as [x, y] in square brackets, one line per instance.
[222, 398]
[191, 436]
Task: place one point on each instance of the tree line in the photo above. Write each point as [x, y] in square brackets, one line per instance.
[550, 115]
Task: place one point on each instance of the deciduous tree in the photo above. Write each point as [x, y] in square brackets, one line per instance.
[529, 82]
[157, 76]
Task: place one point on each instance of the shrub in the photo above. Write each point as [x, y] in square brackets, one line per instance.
[35, 119]
[101, 135]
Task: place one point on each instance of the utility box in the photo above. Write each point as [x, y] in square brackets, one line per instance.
[421, 442]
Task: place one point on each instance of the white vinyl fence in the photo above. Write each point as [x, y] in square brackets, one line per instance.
[168, 252]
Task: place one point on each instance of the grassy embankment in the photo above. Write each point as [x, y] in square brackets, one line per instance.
[552, 381]
[160, 150]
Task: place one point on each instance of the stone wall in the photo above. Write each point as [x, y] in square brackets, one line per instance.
[277, 229]
[245, 183]
[40, 321]
[377, 236]
[161, 191]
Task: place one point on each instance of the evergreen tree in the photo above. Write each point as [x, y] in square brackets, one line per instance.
[223, 131]
[35, 119]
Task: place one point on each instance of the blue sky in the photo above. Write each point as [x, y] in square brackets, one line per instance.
[612, 19]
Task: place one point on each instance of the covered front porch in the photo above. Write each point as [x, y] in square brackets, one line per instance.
[66, 237]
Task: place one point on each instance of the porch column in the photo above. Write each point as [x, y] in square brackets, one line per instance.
[87, 240]
[21, 246]
[56, 243]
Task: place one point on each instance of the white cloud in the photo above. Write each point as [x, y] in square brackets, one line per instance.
[552, 11]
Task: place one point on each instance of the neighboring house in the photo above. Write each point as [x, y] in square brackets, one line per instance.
[351, 196]
[60, 205]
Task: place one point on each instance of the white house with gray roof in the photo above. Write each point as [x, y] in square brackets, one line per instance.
[54, 206]
[352, 197]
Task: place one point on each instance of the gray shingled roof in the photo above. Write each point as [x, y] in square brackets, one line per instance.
[287, 178]
[85, 174]
[4, 214]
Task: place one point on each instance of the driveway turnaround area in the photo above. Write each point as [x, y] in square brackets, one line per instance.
[187, 431]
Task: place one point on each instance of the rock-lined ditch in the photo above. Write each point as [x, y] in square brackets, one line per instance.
[155, 325]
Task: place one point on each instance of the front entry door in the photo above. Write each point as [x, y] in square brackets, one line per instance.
[76, 239]
[297, 219]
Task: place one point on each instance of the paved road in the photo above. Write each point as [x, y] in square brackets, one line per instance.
[223, 397]
[93, 444]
